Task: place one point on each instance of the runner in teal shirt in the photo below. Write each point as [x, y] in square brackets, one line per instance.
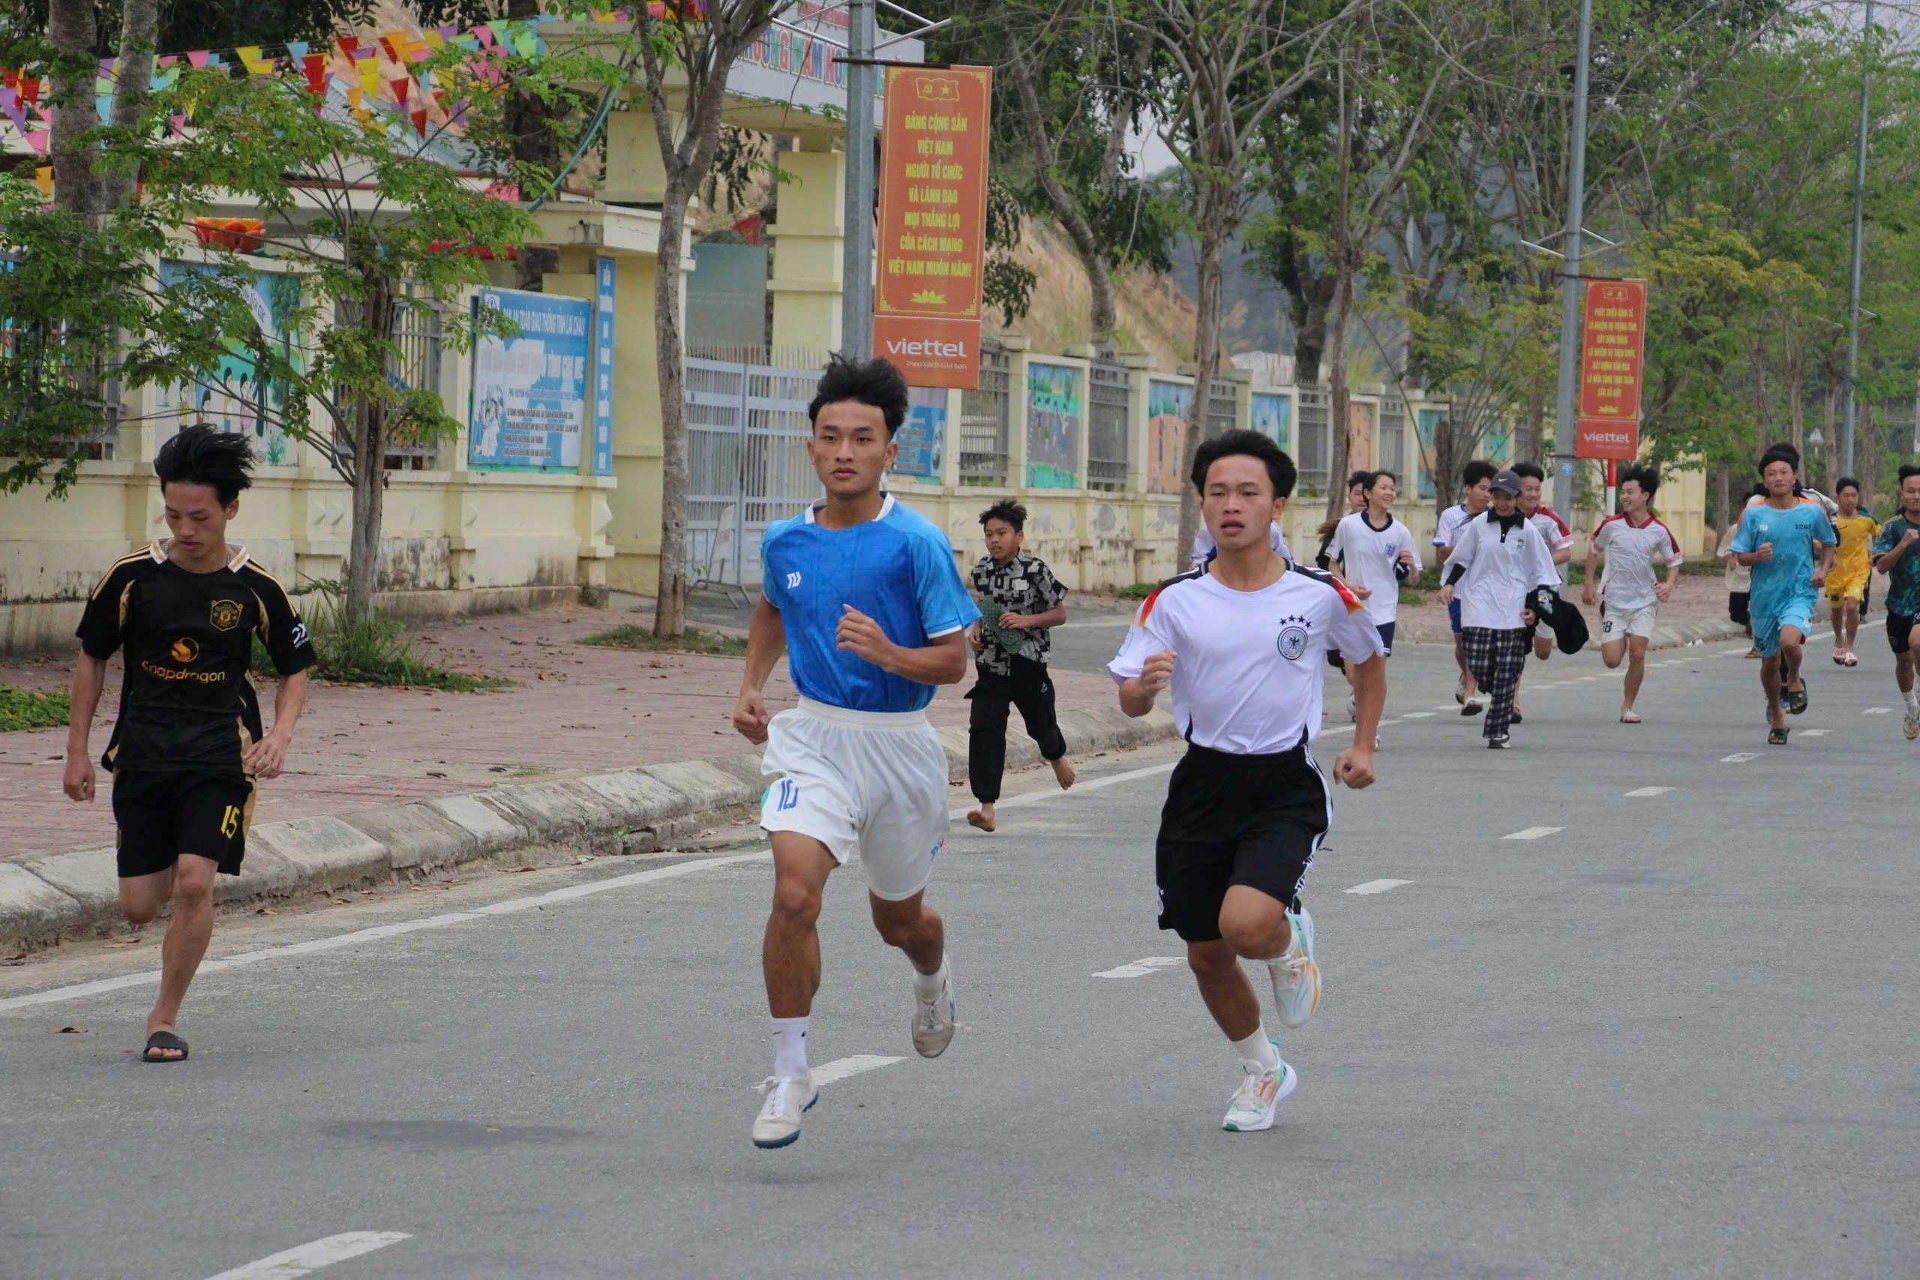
[1776, 540]
[1897, 554]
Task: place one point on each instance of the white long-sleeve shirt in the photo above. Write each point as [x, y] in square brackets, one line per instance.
[1503, 566]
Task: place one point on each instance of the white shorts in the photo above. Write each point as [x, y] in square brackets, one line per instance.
[1618, 624]
[866, 782]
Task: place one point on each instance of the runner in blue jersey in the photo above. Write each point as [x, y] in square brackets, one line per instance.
[1777, 540]
[864, 596]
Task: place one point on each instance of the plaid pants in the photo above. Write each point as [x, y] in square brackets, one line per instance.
[1496, 659]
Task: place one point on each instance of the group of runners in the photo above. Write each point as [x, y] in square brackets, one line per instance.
[863, 597]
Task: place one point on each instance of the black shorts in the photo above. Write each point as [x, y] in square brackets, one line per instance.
[1252, 820]
[1900, 631]
[1737, 607]
[163, 815]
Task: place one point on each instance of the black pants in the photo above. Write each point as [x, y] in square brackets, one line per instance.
[1028, 688]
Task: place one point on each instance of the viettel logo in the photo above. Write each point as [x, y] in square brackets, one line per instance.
[184, 651]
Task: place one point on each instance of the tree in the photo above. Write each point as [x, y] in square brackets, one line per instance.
[702, 44]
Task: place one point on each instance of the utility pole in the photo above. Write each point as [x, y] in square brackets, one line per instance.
[1564, 427]
[1859, 236]
[856, 306]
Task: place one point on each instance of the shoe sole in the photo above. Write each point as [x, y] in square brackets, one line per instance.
[793, 1137]
[1286, 1087]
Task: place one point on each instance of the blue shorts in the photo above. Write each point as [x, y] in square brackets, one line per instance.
[1453, 614]
[1797, 614]
[1386, 635]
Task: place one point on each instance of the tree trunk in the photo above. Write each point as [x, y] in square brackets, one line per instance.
[530, 122]
[1309, 312]
[369, 479]
[75, 36]
[1206, 356]
[670, 598]
[1341, 398]
[1086, 246]
[139, 29]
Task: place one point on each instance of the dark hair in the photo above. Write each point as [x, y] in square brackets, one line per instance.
[1476, 471]
[202, 455]
[1779, 454]
[1648, 478]
[872, 382]
[1362, 478]
[1252, 444]
[1374, 479]
[1908, 471]
[1530, 471]
[1759, 491]
[1787, 451]
[1006, 509]
[1845, 482]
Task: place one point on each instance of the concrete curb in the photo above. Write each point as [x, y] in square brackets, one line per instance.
[76, 894]
[1676, 636]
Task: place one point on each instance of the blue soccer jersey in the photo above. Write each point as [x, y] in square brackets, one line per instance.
[1784, 584]
[897, 569]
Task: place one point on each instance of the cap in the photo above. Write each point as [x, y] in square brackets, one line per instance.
[1508, 483]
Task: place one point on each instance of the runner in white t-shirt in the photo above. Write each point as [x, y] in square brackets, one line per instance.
[1242, 643]
[1558, 536]
[1376, 553]
[1475, 481]
[1631, 543]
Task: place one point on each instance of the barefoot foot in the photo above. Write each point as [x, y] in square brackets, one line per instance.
[981, 818]
[1063, 772]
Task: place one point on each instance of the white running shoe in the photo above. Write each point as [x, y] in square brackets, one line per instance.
[788, 1099]
[1258, 1097]
[1296, 977]
[1912, 725]
[933, 1019]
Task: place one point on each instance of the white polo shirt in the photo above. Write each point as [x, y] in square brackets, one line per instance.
[1503, 566]
[1446, 532]
[1368, 555]
[1250, 664]
[1632, 550]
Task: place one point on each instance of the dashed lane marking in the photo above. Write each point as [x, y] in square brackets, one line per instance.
[1417, 715]
[1142, 967]
[1090, 784]
[1877, 711]
[1648, 792]
[841, 1068]
[308, 1258]
[1815, 733]
[1377, 886]
[1740, 757]
[1533, 833]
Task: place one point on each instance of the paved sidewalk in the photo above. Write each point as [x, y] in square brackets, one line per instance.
[573, 710]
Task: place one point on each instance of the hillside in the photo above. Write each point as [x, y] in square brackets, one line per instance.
[1155, 316]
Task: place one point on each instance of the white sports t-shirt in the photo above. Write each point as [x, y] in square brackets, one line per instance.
[1368, 556]
[1503, 566]
[1631, 551]
[1204, 545]
[1555, 532]
[1446, 532]
[1250, 664]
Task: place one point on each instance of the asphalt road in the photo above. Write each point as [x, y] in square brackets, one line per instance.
[1674, 1033]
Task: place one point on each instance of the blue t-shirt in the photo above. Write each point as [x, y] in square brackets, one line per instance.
[1788, 577]
[897, 569]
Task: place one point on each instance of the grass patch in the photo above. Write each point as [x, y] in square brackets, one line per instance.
[1138, 591]
[20, 709]
[376, 650]
[694, 640]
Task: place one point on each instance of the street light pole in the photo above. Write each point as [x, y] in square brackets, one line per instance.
[1859, 237]
[856, 299]
[1564, 434]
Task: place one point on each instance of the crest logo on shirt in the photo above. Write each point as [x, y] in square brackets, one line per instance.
[226, 614]
[1292, 641]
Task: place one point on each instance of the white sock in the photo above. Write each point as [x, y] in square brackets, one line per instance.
[1257, 1053]
[1913, 698]
[927, 985]
[790, 1046]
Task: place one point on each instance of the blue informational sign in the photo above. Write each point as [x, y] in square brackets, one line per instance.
[603, 279]
[1273, 417]
[922, 434]
[529, 405]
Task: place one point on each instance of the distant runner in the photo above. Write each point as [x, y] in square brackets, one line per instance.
[1777, 541]
[1898, 549]
[1852, 569]
[1475, 479]
[1631, 543]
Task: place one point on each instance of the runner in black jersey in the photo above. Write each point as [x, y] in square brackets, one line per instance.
[188, 742]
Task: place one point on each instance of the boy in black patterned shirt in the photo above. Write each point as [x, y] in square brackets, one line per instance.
[1022, 601]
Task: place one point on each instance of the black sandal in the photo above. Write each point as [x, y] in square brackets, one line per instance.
[164, 1040]
[1797, 700]
[1776, 737]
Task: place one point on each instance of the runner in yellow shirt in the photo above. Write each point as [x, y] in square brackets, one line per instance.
[1852, 569]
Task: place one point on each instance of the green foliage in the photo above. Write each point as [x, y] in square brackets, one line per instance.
[692, 640]
[372, 649]
[23, 709]
[1136, 591]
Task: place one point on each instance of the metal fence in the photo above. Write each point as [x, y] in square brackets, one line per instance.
[1391, 450]
[1314, 438]
[418, 335]
[1222, 407]
[983, 419]
[747, 435]
[1109, 410]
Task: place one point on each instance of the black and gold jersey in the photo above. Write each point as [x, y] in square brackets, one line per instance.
[186, 705]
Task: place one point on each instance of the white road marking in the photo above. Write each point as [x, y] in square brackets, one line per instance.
[1417, 715]
[1648, 791]
[1094, 784]
[1815, 733]
[841, 1068]
[1377, 886]
[1740, 757]
[1877, 711]
[1533, 833]
[1141, 968]
[307, 1258]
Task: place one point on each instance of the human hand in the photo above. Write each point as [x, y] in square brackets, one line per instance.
[268, 756]
[862, 636]
[1406, 558]
[1354, 766]
[1446, 594]
[1664, 591]
[1910, 537]
[1529, 617]
[1157, 672]
[1819, 575]
[1763, 553]
[974, 640]
[1360, 592]
[1015, 621]
[78, 782]
[1587, 595]
[750, 717]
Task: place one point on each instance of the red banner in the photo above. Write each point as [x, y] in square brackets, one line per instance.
[933, 215]
[1612, 356]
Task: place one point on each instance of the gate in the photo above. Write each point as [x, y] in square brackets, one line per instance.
[747, 467]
